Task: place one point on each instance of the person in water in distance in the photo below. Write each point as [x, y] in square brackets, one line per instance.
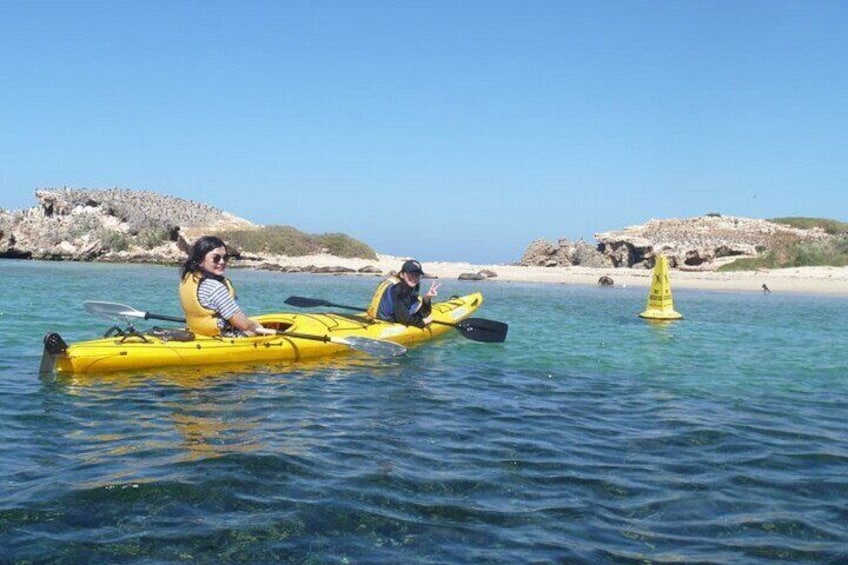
[397, 300]
[208, 297]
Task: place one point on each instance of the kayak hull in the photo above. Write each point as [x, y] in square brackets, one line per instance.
[142, 351]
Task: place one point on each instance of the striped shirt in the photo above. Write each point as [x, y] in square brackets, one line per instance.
[215, 295]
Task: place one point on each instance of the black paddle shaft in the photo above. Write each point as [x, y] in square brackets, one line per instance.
[303, 302]
[475, 329]
[368, 345]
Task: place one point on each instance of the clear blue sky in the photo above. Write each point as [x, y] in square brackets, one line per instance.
[444, 130]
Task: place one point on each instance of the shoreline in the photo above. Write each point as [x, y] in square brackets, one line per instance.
[831, 281]
[826, 281]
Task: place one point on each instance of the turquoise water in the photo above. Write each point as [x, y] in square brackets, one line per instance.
[590, 436]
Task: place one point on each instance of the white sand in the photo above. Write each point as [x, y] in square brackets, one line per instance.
[818, 280]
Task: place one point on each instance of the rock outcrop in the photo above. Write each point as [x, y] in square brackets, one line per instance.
[564, 253]
[126, 226]
[700, 243]
[109, 225]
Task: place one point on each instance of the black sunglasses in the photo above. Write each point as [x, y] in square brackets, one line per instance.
[218, 258]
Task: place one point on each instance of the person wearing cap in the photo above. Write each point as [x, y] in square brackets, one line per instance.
[397, 300]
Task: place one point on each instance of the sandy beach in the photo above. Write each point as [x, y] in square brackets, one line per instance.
[815, 280]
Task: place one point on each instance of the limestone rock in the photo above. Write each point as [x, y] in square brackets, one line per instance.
[470, 277]
[700, 243]
[563, 253]
[539, 253]
[108, 225]
[697, 242]
[333, 270]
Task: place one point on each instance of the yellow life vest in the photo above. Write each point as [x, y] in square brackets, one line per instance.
[378, 295]
[200, 320]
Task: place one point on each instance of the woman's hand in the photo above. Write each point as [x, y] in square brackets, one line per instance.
[433, 291]
[248, 326]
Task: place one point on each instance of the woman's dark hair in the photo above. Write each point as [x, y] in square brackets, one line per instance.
[198, 251]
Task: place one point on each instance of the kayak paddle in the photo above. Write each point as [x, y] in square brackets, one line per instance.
[476, 329]
[376, 347]
[113, 311]
[479, 329]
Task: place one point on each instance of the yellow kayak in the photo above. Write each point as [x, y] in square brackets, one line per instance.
[300, 336]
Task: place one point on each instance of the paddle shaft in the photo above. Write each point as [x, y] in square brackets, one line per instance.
[324, 338]
[457, 326]
[149, 316]
[133, 313]
[303, 302]
[476, 329]
[369, 345]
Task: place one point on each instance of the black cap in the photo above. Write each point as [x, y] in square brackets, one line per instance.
[412, 267]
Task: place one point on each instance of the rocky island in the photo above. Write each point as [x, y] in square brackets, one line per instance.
[701, 243]
[108, 225]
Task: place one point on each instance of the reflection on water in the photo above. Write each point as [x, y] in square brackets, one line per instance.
[210, 430]
[188, 414]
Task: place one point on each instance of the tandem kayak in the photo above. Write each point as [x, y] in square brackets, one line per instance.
[300, 336]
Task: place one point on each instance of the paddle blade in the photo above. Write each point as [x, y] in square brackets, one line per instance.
[376, 347]
[111, 310]
[54, 346]
[303, 302]
[481, 329]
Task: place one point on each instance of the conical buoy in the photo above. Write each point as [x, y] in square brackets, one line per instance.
[660, 303]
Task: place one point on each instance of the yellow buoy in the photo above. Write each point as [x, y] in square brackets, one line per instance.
[660, 302]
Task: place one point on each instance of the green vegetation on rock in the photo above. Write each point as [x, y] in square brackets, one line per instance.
[286, 240]
[114, 240]
[833, 227]
[831, 251]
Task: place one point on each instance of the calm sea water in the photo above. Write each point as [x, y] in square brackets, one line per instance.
[590, 436]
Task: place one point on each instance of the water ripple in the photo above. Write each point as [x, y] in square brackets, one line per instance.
[588, 437]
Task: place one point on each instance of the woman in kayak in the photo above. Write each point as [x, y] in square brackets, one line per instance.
[207, 296]
[397, 300]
